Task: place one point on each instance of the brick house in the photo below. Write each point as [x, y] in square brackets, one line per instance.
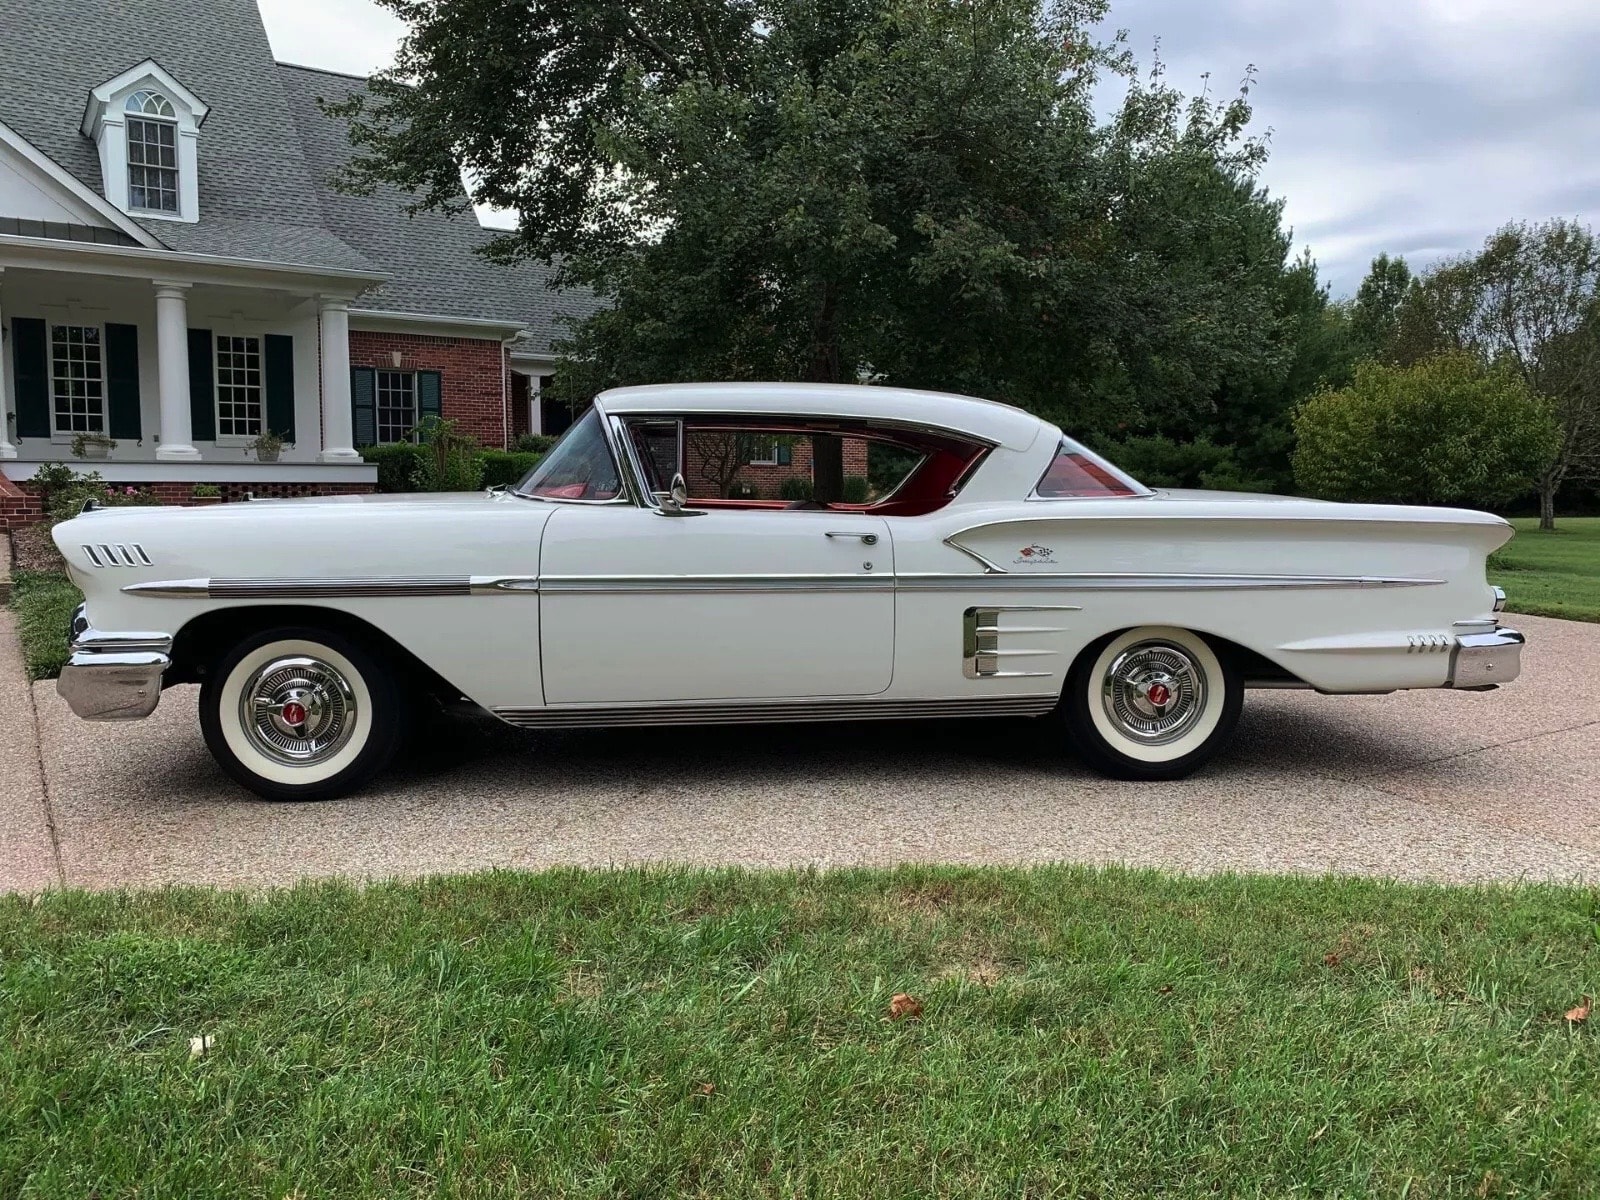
[178, 274]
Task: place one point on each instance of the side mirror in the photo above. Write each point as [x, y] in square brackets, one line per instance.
[675, 501]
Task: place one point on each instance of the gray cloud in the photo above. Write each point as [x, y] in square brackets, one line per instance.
[1408, 126]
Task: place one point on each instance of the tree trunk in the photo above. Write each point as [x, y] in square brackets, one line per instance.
[1547, 504]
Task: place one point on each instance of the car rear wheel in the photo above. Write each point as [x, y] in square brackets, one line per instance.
[1151, 703]
[300, 713]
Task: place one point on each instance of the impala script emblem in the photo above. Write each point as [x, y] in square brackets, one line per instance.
[1035, 554]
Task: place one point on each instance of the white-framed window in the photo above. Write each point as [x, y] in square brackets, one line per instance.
[772, 452]
[152, 153]
[240, 395]
[77, 379]
[396, 406]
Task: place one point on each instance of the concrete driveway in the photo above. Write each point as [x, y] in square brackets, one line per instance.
[1422, 785]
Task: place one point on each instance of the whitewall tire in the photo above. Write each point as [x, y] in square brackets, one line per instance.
[1151, 703]
[300, 713]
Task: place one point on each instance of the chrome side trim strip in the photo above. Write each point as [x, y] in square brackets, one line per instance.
[989, 567]
[326, 589]
[590, 585]
[172, 589]
[755, 712]
[1135, 581]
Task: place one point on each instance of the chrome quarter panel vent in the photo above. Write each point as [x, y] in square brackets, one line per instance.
[101, 555]
[989, 644]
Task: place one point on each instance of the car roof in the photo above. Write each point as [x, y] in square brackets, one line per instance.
[987, 420]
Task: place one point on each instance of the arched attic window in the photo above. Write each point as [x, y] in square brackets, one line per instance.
[152, 152]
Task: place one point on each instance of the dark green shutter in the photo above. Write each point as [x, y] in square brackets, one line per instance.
[31, 358]
[122, 382]
[430, 394]
[202, 388]
[364, 405]
[278, 364]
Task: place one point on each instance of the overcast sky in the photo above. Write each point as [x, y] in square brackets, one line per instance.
[1412, 126]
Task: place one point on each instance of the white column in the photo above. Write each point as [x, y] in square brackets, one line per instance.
[7, 450]
[172, 368]
[338, 436]
[535, 408]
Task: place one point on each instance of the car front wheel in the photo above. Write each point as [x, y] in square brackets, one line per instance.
[1151, 703]
[299, 713]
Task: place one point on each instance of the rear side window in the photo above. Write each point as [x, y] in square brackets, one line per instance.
[1080, 474]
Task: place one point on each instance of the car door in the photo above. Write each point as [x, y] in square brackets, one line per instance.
[728, 604]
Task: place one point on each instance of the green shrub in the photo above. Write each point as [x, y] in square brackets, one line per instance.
[533, 443]
[502, 468]
[450, 461]
[856, 489]
[399, 466]
[797, 487]
[1447, 430]
[65, 492]
[403, 467]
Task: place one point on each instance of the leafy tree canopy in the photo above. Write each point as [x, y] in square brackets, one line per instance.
[917, 191]
[1530, 301]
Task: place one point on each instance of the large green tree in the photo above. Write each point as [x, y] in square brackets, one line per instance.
[912, 190]
[1529, 300]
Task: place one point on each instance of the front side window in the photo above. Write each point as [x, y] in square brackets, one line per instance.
[77, 379]
[239, 399]
[578, 467]
[152, 153]
[1079, 474]
[397, 405]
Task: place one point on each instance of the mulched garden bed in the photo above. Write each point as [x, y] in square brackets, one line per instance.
[32, 549]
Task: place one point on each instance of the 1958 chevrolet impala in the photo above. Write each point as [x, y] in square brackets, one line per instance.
[1010, 573]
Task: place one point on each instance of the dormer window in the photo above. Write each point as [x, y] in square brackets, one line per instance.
[146, 125]
[152, 153]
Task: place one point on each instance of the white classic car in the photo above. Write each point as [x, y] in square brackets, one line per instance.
[1010, 572]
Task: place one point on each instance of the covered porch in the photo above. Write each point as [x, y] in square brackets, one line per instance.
[162, 368]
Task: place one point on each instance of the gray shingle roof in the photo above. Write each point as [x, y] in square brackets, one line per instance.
[430, 257]
[267, 154]
[253, 176]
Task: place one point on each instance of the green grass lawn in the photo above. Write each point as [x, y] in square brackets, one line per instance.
[44, 601]
[1551, 574]
[668, 1034]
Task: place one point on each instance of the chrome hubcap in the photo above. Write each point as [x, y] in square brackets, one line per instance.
[298, 711]
[1154, 692]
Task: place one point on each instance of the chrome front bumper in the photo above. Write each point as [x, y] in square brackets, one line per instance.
[113, 676]
[1481, 661]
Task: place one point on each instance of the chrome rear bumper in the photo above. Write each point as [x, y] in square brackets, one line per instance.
[1481, 661]
[113, 676]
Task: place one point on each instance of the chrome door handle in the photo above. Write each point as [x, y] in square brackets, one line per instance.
[867, 539]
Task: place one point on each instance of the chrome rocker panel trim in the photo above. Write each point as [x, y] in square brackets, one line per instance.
[113, 676]
[758, 712]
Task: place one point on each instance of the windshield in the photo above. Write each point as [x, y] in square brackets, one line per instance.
[578, 467]
[1077, 474]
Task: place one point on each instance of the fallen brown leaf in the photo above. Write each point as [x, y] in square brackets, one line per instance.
[1332, 960]
[1581, 1014]
[704, 1089]
[903, 1005]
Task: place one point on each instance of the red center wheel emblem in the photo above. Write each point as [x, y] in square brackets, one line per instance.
[1158, 694]
[294, 713]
